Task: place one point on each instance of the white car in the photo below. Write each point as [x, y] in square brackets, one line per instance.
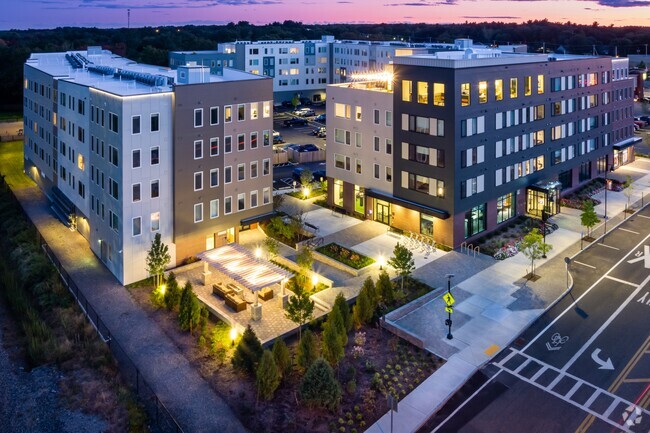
[304, 112]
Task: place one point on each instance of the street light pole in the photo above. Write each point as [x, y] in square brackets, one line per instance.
[544, 218]
[448, 321]
[567, 260]
[607, 169]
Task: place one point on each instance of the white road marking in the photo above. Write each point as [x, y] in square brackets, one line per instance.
[622, 281]
[608, 246]
[643, 216]
[584, 264]
[604, 325]
[572, 306]
[630, 231]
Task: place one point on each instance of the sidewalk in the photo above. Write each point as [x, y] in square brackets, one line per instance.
[188, 397]
[495, 305]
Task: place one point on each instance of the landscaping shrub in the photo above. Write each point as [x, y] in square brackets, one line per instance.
[307, 351]
[345, 256]
[319, 387]
[342, 305]
[172, 295]
[282, 356]
[268, 376]
[248, 352]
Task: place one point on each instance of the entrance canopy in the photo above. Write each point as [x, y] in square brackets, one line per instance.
[241, 265]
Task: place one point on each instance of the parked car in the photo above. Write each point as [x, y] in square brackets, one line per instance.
[645, 118]
[306, 101]
[295, 121]
[639, 123]
[304, 112]
[320, 132]
[288, 104]
[319, 175]
[277, 138]
[321, 118]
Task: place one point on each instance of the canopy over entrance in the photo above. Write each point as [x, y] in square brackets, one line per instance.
[241, 265]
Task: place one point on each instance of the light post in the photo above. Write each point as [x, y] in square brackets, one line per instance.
[607, 170]
[544, 218]
[567, 260]
[449, 310]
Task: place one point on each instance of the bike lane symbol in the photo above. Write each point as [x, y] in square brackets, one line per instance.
[556, 342]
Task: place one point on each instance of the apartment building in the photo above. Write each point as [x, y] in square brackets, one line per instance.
[481, 136]
[305, 68]
[104, 141]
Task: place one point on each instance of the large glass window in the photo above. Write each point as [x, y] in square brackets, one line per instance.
[426, 224]
[439, 94]
[338, 192]
[482, 92]
[423, 92]
[513, 88]
[475, 220]
[359, 199]
[528, 85]
[407, 90]
[505, 207]
[540, 84]
[464, 94]
[498, 90]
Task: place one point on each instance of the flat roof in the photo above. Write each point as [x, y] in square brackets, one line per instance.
[118, 75]
[473, 58]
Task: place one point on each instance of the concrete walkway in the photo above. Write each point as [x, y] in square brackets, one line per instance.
[493, 305]
[178, 385]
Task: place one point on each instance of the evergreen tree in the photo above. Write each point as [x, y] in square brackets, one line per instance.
[267, 376]
[185, 307]
[248, 352]
[402, 261]
[344, 309]
[282, 357]
[362, 311]
[371, 291]
[307, 351]
[335, 318]
[319, 386]
[385, 288]
[157, 259]
[172, 292]
[333, 349]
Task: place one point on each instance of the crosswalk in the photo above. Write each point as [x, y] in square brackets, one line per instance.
[575, 391]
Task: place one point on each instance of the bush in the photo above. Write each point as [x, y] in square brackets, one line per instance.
[307, 350]
[345, 255]
[172, 292]
[344, 309]
[268, 376]
[282, 356]
[248, 352]
[319, 387]
[190, 310]
[385, 288]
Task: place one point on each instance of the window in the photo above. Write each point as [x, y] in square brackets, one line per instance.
[426, 224]
[357, 139]
[198, 181]
[241, 201]
[426, 155]
[426, 125]
[136, 192]
[482, 92]
[227, 113]
[266, 109]
[135, 125]
[389, 174]
[464, 94]
[155, 188]
[198, 212]
[227, 205]
[513, 88]
[266, 196]
[376, 144]
[155, 221]
[253, 140]
[375, 117]
[214, 146]
[214, 177]
[198, 149]
[389, 118]
[241, 112]
[155, 122]
[266, 167]
[113, 122]
[498, 90]
[540, 84]
[241, 172]
[342, 136]
[253, 111]
[357, 115]
[253, 199]
[214, 115]
[472, 126]
[528, 86]
[227, 174]
[389, 146]
[155, 155]
[113, 221]
[475, 220]
[241, 142]
[227, 144]
[505, 207]
[253, 169]
[214, 208]
[113, 189]
[198, 117]
[338, 192]
[376, 171]
[113, 156]
[407, 90]
[342, 162]
[439, 94]
[423, 92]
[342, 110]
[137, 226]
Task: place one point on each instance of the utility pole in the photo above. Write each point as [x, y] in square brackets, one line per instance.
[646, 49]
[128, 18]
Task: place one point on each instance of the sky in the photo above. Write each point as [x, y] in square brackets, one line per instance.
[25, 14]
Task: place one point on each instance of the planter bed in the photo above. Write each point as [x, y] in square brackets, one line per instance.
[345, 255]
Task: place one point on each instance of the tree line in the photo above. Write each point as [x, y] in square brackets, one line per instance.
[151, 44]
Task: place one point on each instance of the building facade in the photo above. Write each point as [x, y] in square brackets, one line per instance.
[101, 139]
[481, 136]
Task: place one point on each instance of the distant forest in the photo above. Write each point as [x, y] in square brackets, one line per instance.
[151, 44]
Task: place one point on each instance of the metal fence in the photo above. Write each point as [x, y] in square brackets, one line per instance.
[160, 420]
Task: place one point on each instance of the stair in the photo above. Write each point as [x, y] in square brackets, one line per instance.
[61, 205]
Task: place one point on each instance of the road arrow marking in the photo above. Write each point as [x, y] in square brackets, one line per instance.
[604, 365]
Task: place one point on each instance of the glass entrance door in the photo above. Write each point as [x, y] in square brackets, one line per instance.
[543, 201]
[382, 212]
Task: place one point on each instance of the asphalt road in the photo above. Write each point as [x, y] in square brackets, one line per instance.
[584, 366]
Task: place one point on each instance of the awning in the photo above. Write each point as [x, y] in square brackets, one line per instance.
[239, 263]
[258, 218]
[408, 204]
[546, 186]
[627, 143]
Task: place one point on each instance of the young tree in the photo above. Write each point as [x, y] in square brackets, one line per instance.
[402, 261]
[157, 259]
[533, 247]
[282, 356]
[267, 376]
[362, 311]
[588, 217]
[295, 101]
[335, 318]
[248, 352]
[344, 309]
[300, 308]
[272, 248]
[189, 310]
[307, 351]
[385, 288]
[333, 348]
[319, 386]
[371, 290]
[306, 178]
[172, 292]
[304, 259]
[627, 189]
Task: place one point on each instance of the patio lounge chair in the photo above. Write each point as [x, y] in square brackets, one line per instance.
[220, 291]
[235, 302]
[266, 294]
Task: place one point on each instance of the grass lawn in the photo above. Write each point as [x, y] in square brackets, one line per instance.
[12, 164]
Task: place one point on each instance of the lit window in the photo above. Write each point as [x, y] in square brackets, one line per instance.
[513, 88]
[439, 94]
[540, 84]
[498, 90]
[254, 112]
[155, 221]
[407, 90]
[464, 95]
[482, 92]
[528, 86]
[423, 92]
